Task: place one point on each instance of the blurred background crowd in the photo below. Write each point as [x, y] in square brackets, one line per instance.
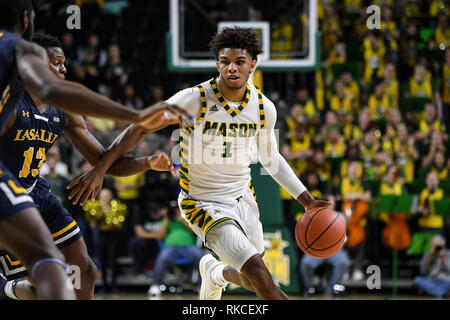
[372, 121]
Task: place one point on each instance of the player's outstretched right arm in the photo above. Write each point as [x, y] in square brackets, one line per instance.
[32, 67]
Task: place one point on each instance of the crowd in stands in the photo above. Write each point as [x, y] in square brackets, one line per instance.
[372, 121]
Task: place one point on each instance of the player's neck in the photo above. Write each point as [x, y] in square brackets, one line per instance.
[233, 95]
[38, 102]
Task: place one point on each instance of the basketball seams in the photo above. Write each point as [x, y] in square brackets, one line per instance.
[304, 248]
[307, 229]
[324, 231]
[299, 238]
[340, 239]
[309, 223]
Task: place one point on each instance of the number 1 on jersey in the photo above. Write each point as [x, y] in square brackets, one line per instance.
[26, 168]
[227, 153]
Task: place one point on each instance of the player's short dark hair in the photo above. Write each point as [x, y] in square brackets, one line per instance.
[11, 12]
[46, 40]
[236, 38]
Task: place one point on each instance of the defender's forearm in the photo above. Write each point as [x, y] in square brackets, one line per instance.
[128, 165]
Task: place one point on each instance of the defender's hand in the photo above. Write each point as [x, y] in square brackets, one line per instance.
[161, 162]
[161, 115]
[89, 184]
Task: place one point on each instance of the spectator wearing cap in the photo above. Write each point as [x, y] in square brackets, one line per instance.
[434, 276]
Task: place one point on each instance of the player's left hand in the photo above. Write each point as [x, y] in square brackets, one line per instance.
[308, 201]
[319, 204]
[88, 185]
[161, 162]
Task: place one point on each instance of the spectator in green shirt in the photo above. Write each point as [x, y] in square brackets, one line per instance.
[179, 242]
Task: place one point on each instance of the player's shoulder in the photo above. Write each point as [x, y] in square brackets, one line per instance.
[190, 92]
[266, 101]
[23, 47]
[269, 106]
[188, 99]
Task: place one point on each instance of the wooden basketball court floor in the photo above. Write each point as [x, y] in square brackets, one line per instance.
[188, 296]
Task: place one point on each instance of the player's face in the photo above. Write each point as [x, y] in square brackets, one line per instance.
[57, 58]
[235, 66]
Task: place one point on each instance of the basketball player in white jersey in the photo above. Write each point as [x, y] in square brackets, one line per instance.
[216, 198]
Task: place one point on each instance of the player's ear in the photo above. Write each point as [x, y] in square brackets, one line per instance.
[24, 21]
[252, 65]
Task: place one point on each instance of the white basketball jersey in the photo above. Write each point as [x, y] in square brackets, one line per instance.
[216, 153]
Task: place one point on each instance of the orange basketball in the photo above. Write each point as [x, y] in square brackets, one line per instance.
[320, 232]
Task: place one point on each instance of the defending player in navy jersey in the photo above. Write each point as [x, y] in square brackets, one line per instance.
[30, 133]
[22, 63]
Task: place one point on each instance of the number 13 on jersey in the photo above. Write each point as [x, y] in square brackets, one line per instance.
[28, 155]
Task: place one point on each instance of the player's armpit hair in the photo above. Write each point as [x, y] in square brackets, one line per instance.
[236, 38]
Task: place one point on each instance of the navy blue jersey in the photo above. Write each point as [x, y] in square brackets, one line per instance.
[11, 88]
[24, 146]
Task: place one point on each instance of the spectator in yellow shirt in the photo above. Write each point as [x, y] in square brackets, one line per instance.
[379, 102]
[281, 38]
[392, 184]
[440, 166]
[436, 144]
[335, 146]
[357, 131]
[128, 191]
[389, 28]
[331, 120]
[421, 85]
[446, 80]
[393, 120]
[331, 27]
[405, 152]
[301, 150]
[429, 123]
[340, 102]
[369, 146]
[391, 83]
[429, 221]
[352, 156]
[307, 104]
[352, 89]
[441, 37]
[297, 118]
[321, 167]
[374, 54]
